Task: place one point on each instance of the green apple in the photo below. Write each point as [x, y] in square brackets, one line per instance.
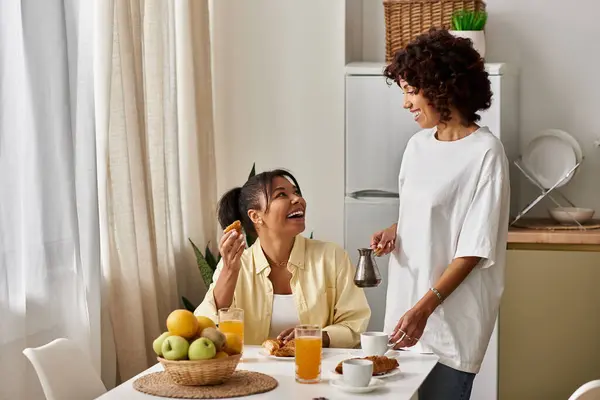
[175, 348]
[158, 342]
[202, 349]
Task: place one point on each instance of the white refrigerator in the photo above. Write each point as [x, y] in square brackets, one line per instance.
[377, 130]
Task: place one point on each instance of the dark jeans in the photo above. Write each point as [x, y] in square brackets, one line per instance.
[445, 383]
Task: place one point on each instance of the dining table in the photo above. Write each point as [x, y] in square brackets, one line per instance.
[402, 385]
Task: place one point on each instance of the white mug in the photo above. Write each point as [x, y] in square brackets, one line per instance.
[375, 343]
[357, 372]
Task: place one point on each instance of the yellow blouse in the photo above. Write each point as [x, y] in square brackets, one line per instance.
[322, 286]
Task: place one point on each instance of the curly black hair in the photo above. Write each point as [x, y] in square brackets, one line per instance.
[234, 204]
[450, 72]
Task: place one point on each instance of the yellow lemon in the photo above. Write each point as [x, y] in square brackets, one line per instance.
[182, 323]
[221, 354]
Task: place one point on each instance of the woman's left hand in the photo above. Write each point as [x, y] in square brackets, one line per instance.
[410, 328]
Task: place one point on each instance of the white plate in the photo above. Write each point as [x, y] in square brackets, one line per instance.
[264, 353]
[568, 138]
[549, 158]
[393, 372]
[340, 384]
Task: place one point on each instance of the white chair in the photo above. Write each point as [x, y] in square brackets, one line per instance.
[587, 391]
[64, 371]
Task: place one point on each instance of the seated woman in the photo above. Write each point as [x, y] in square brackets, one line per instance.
[283, 279]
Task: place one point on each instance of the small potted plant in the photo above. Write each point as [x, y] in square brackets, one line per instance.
[469, 24]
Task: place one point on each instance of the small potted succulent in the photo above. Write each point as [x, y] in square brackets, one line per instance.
[470, 24]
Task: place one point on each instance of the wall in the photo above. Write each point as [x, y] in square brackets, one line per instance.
[553, 45]
[279, 98]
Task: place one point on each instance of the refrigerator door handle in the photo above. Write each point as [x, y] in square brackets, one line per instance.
[372, 193]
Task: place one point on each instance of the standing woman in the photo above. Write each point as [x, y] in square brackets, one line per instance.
[448, 248]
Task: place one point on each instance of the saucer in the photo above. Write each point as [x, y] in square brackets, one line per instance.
[340, 384]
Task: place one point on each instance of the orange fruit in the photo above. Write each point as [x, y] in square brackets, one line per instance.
[221, 354]
[203, 323]
[233, 344]
[182, 323]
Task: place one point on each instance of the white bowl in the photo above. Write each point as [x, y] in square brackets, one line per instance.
[566, 215]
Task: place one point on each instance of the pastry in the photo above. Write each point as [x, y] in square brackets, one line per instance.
[237, 225]
[381, 364]
[277, 348]
[271, 345]
[285, 352]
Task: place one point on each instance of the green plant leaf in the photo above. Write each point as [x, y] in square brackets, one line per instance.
[465, 20]
[187, 304]
[197, 252]
[210, 258]
[480, 20]
[252, 171]
[205, 270]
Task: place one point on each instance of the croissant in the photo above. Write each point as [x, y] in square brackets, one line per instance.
[278, 349]
[271, 345]
[285, 352]
[237, 225]
[381, 364]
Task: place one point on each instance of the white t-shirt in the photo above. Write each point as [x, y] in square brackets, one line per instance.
[284, 315]
[454, 202]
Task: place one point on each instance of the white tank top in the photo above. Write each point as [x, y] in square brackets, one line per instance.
[284, 315]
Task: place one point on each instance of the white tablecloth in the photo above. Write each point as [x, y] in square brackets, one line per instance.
[415, 367]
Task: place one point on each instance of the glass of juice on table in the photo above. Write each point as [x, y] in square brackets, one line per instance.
[309, 344]
[232, 320]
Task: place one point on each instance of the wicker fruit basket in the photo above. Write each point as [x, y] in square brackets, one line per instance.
[406, 19]
[201, 373]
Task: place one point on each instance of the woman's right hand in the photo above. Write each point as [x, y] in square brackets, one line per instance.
[231, 247]
[384, 241]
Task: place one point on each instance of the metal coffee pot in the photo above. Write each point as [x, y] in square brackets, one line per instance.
[367, 274]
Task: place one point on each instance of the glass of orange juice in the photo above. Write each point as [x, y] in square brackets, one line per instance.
[309, 344]
[232, 320]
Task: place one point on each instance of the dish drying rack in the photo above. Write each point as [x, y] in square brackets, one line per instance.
[546, 192]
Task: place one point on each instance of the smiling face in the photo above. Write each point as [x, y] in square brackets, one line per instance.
[423, 112]
[285, 215]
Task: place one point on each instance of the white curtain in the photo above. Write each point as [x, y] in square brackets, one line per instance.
[50, 273]
[157, 185]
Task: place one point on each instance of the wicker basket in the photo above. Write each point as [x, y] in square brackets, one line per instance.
[406, 19]
[201, 372]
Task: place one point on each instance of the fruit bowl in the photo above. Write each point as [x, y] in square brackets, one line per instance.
[201, 372]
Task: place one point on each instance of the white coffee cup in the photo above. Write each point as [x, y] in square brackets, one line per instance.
[375, 343]
[357, 372]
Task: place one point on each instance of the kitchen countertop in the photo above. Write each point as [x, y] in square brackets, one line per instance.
[546, 239]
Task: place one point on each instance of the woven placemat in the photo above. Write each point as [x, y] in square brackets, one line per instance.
[241, 383]
[551, 225]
